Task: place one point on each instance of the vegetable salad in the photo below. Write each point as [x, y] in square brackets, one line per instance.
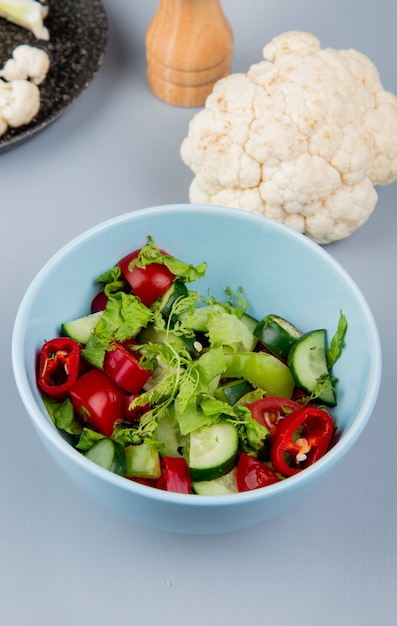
[175, 389]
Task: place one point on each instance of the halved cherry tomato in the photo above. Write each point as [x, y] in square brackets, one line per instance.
[253, 474]
[268, 411]
[124, 368]
[99, 302]
[147, 283]
[98, 401]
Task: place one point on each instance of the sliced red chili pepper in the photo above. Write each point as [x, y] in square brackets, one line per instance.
[148, 283]
[253, 474]
[175, 475]
[268, 411]
[124, 368]
[301, 438]
[98, 401]
[59, 366]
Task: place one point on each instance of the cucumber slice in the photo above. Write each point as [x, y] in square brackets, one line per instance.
[250, 322]
[81, 329]
[177, 290]
[220, 486]
[232, 392]
[143, 461]
[150, 335]
[108, 454]
[277, 335]
[308, 365]
[212, 451]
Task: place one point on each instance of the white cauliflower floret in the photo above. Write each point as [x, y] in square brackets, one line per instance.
[302, 137]
[19, 103]
[29, 14]
[27, 63]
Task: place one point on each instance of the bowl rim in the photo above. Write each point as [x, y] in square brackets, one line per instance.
[50, 434]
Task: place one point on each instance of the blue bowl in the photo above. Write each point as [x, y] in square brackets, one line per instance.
[281, 272]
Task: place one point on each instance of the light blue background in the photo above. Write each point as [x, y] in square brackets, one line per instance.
[63, 558]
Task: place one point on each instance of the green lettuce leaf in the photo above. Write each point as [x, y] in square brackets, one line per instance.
[238, 303]
[252, 435]
[88, 438]
[228, 330]
[150, 253]
[337, 342]
[212, 363]
[94, 352]
[63, 415]
[191, 417]
[113, 280]
[123, 318]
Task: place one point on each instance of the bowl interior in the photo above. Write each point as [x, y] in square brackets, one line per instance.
[280, 271]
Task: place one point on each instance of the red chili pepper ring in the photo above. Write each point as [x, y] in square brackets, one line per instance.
[59, 366]
[301, 438]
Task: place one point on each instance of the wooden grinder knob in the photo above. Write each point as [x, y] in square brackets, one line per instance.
[189, 46]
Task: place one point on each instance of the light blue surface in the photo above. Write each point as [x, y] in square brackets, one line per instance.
[280, 271]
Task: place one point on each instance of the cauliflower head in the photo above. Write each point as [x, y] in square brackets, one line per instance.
[303, 138]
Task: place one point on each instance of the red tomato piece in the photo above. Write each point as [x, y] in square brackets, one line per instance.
[98, 401]
[99, 302]
[254, 474]
[124, 369]
[268, 411]
[147, 283]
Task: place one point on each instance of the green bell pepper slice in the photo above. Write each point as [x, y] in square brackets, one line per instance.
[261, 370]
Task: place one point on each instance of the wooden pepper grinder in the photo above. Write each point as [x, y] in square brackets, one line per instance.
[189, 47]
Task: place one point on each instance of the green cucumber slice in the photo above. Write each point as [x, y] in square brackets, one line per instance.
[143, 461]
[277, 335]
[212, 451]
[224, 485]
[250, 322]
[177, 290]
[232, 391]
[150, 335]
[81, 329]
[108, 454]
[308, 365]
